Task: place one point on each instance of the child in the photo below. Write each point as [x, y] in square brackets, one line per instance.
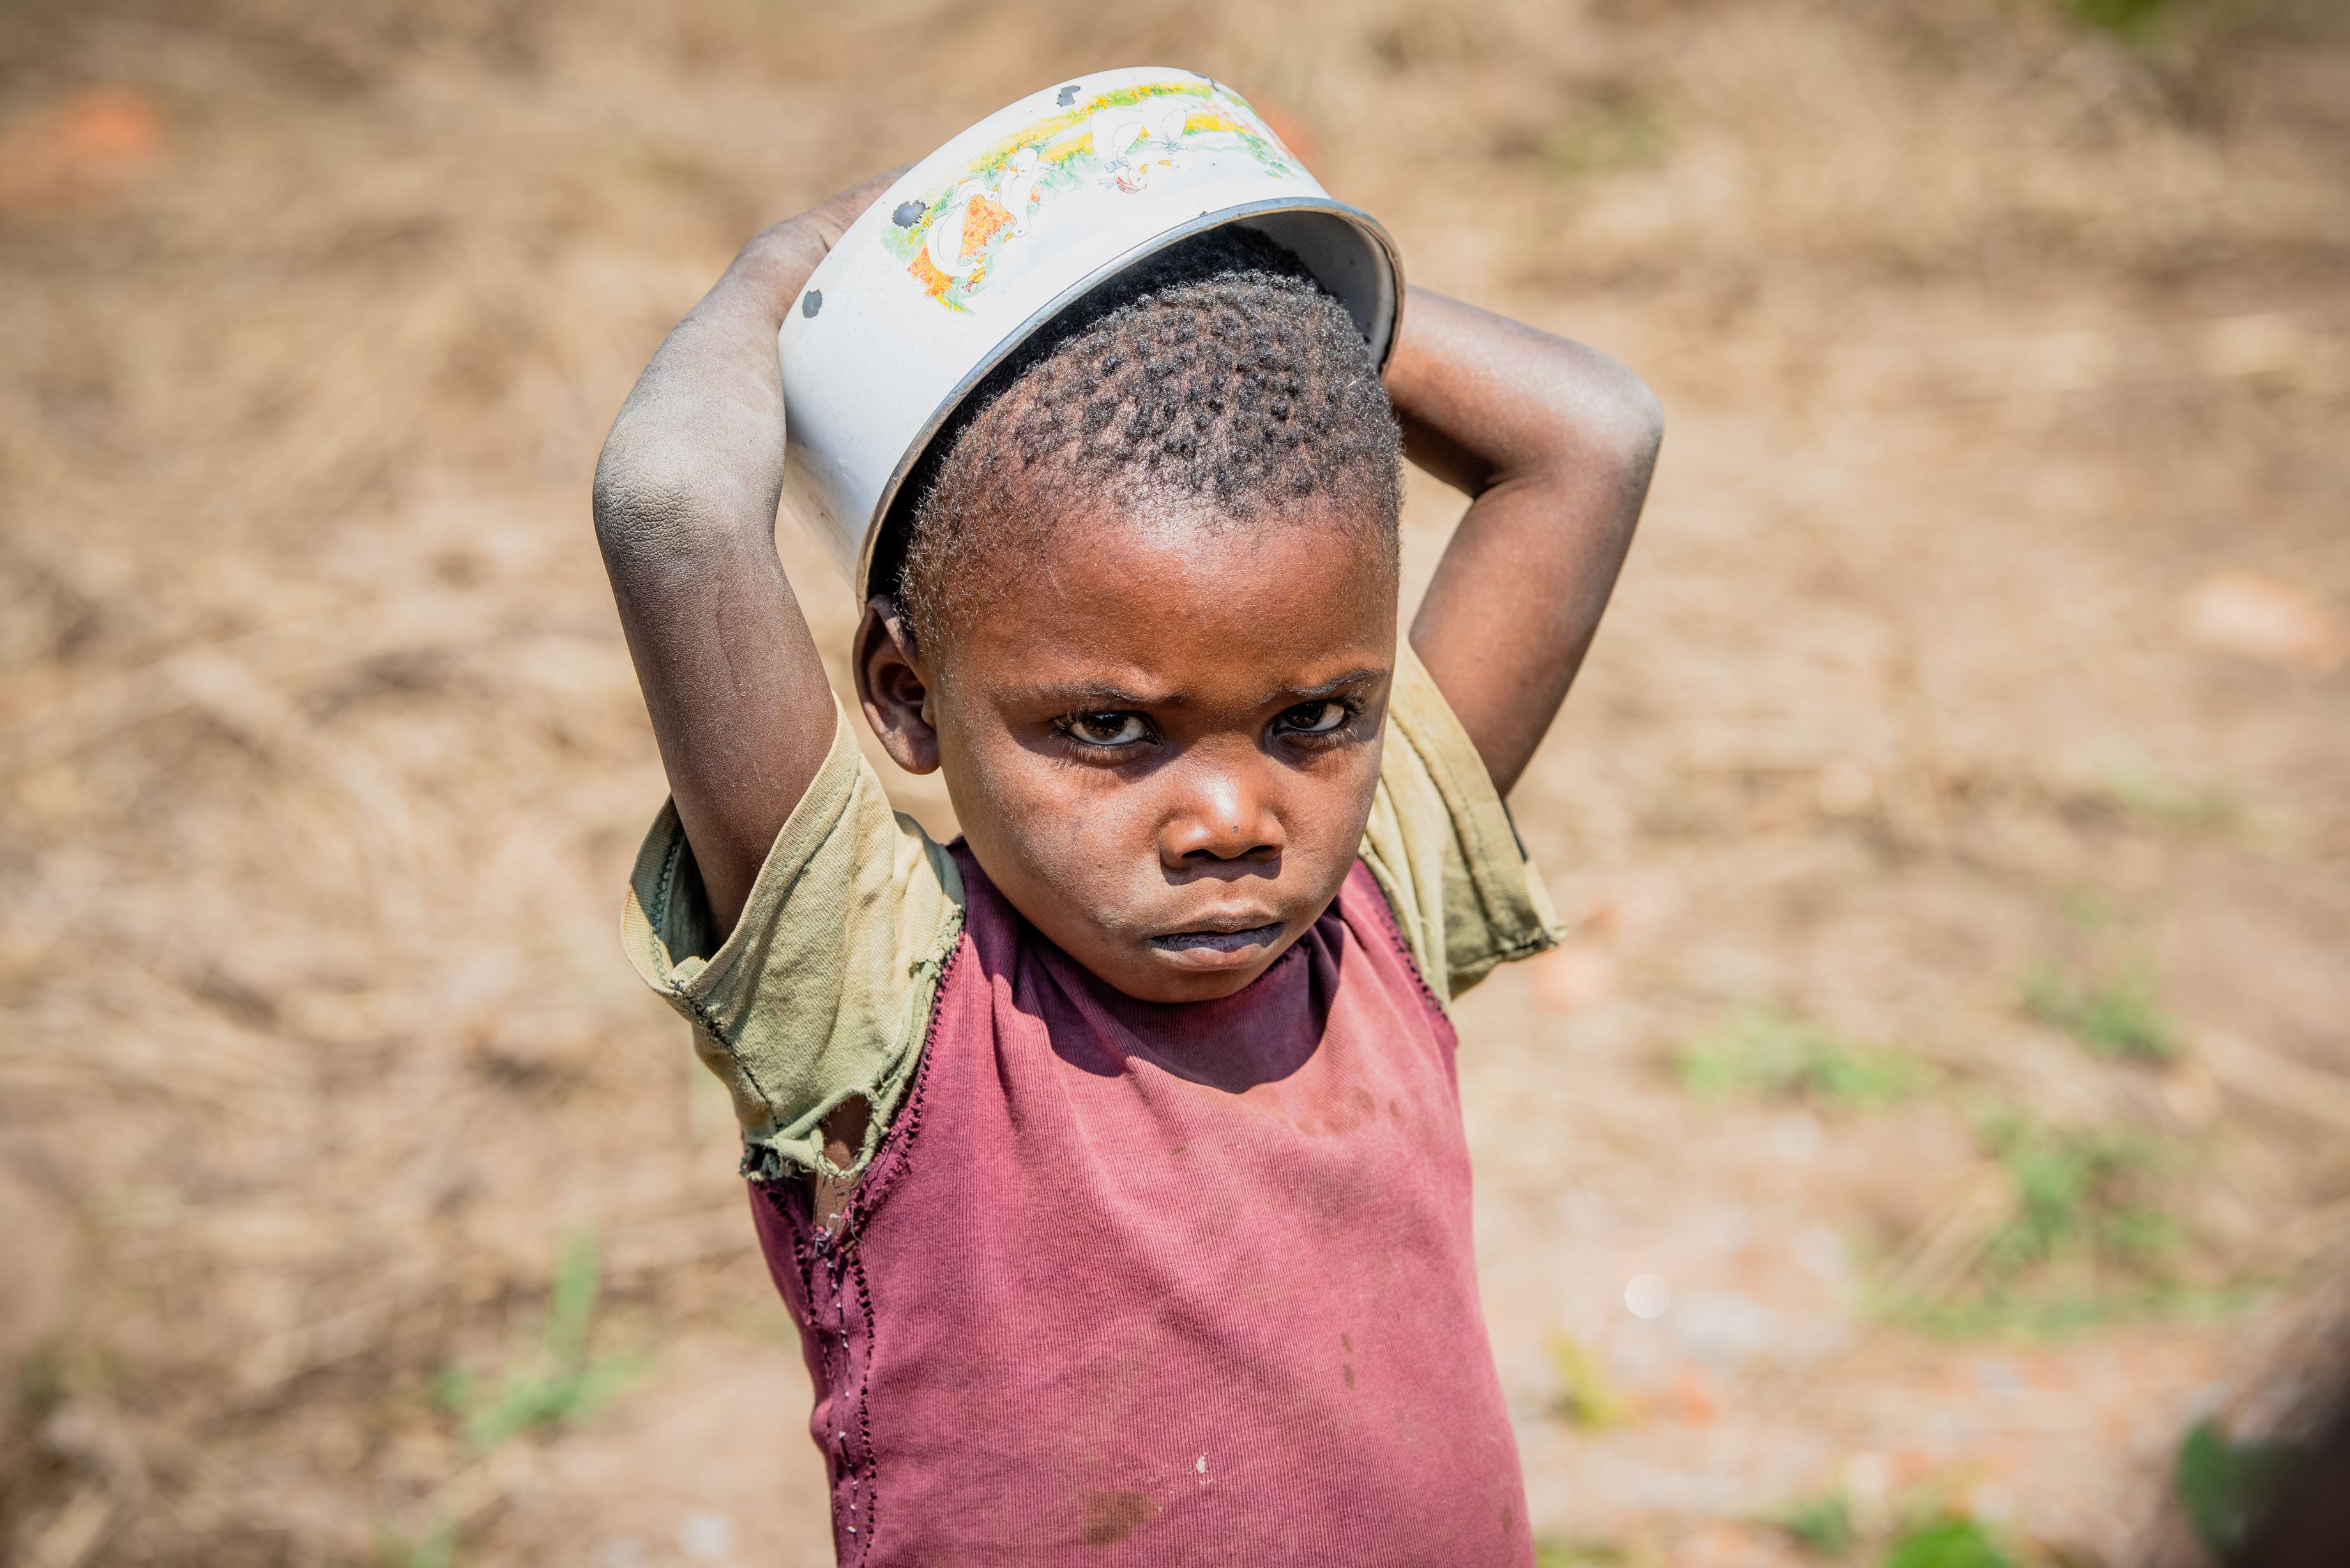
[1110, 1158]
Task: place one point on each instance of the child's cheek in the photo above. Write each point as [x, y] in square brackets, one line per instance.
[1046, 830]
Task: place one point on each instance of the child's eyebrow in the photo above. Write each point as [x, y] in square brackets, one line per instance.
[1083, 696]
[1336, 684]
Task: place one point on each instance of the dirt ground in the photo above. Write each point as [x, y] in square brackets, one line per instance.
[1942, 1102]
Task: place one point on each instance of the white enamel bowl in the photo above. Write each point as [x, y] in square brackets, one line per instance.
[982, 241]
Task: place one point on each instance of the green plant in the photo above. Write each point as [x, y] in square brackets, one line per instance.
[558, 1381]
[2140, 787]
[2060, 1316]
[436, 1550]
[2132, 21]
[2224, 1485]
[2083, 1198]
[1605, 139]
[1766, 1054]
[1584, 1396]
[1558, 1552]
[2069, 1228]
[2113, 1010]
[1952, 1542]
[2086, 910]
[1821, 1524]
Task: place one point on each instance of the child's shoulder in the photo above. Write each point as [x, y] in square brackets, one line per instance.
[821, 989]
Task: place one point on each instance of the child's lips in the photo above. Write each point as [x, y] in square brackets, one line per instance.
[1211, 948]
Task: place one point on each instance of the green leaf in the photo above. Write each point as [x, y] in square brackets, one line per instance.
[2223, 1485]
[1822, 1525]
[2133, 21]
[1585, 1396]
[560, 1382]
[1949, 1543]
[1766, 1054]
[2118, 1014]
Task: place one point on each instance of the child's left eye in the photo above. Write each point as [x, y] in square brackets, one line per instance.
[1109, 729]
[1315, 718]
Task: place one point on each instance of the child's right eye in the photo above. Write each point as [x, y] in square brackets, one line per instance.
[1109, 729]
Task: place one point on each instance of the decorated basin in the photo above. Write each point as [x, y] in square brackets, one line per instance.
[982, 241]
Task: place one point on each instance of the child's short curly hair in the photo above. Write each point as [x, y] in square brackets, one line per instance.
[1217, 372]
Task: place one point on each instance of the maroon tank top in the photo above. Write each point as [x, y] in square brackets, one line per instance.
[1131, 1283]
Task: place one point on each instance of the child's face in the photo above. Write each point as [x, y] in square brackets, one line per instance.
[1161, 739]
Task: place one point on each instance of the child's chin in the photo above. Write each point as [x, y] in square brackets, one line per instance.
[1193, 974]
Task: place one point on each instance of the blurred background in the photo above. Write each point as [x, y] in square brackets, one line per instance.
[1932, 1148]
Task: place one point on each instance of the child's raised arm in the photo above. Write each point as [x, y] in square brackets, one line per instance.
[1554, 444]
[686, 493]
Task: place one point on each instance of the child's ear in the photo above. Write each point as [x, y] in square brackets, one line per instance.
[891, 687]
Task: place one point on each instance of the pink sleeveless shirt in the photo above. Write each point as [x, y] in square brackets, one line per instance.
[1138, 1283]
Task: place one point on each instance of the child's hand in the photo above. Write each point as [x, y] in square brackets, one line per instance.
[686, 492]
[1555, 442]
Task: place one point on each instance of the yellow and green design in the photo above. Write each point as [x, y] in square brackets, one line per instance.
[950, 240]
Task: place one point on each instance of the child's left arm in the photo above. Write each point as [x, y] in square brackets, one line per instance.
[1553, 442]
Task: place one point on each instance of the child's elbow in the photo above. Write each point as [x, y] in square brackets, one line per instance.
[1646, 413]
[642, 507]
[1600, 422]
[1623, 424]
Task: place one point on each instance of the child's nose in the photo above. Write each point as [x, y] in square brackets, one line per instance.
[1220, 814]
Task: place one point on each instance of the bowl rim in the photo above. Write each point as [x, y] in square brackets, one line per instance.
[886, 505]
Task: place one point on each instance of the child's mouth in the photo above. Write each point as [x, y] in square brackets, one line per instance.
[1206, 949]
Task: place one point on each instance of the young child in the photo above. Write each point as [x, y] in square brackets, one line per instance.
[1110, 1158]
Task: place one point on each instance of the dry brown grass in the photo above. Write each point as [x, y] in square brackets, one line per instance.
[1986, 337]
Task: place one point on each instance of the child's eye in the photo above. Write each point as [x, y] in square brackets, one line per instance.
[1315, 718]
[1109, 729]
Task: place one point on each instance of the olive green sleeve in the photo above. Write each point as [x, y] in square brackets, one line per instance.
[823, 990]
[1442, 848]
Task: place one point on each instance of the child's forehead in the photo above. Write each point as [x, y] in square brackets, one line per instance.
[1154, 583]
[1077, 523]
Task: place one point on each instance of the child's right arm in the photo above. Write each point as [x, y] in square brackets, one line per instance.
[686, 492]
[1554, 444]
